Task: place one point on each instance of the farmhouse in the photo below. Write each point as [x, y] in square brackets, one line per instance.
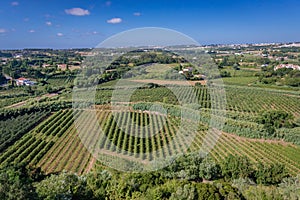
[24, 81]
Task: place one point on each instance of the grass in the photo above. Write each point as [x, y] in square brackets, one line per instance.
[243, 81]
[240, 73]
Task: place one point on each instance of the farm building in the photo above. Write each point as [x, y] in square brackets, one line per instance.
[24, 81]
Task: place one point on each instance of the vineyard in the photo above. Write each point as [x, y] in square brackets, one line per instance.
[60, 80]
[255, 100]
[13, 129]
[54, 141]
[163, 144]
[244, 105]
[56, 145]
[245, 100]
[7, 98]
[48, 145]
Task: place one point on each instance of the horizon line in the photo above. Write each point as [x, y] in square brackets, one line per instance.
[201, 45]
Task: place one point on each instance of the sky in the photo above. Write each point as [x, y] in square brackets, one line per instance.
[86, 23]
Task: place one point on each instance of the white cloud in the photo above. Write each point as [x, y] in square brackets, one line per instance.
[77, 12]
[15, 3]
[49, 23]
[137, 14]
[2, 30]
[60, 34]
[31, 31]
[114, 21]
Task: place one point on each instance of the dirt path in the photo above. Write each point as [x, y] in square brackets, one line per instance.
[270, 141]
[17, 105]
[126, 157]
[91, 165]
[22, 103]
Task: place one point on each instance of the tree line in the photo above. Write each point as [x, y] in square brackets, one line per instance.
[188, 177]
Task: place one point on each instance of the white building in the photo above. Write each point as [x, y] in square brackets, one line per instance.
[288, 66]
[24, 81]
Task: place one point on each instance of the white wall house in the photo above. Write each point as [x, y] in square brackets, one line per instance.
[24, 81]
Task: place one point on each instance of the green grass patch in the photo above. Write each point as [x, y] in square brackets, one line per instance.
[239, 80]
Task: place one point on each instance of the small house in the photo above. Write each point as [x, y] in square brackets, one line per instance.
[23, 81]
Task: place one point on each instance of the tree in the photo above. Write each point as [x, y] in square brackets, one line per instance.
[185, 167]
[184, 192]
[275, 119]
[237, 167]
[2, 78]
[163, 191]
[263, 193]
[209, 170]
[228, 191]
[270, 174]
[99, 182]
[236, 66]
[15, 183]
[224, 61]
[63, 186]
[208, 192]
[225, 74]
[290, 187]
[127, 185]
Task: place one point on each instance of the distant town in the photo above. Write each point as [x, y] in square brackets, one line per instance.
[28, 67]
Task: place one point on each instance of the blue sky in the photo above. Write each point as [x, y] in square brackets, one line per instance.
[85, 23]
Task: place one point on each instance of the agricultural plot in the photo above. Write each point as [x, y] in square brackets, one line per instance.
[163, 144]
[60, 80]
[13, 129]
[256, 100]
[40, 146]
[11, 97]
[243, 100]
[55, 144]
[265, 151]
[243, 81]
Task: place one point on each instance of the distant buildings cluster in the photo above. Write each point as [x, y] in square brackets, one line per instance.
[288, 66]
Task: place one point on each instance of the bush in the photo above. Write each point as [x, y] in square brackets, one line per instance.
[270, 174]
[237, 167]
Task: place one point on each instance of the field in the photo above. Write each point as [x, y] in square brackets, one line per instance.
[245, 81]
[10, 97]
[49, 145]
[54, 142]
[60, 80]
[55, 145]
